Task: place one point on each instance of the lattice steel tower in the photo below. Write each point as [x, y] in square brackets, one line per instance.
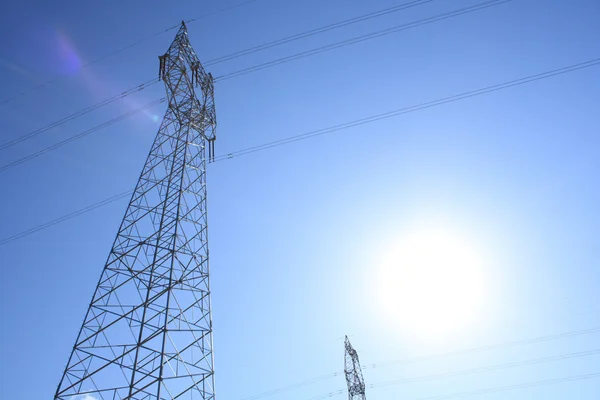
[148, 330]
[353, 372]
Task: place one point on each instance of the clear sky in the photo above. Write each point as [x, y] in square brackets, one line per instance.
[466, 225]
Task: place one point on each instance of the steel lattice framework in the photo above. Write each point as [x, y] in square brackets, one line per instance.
[148, 332]
[353, 372]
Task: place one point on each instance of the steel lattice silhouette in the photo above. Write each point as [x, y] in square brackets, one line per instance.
[148, 330]
[353, 372]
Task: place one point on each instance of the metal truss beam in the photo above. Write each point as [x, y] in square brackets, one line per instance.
[147, 334]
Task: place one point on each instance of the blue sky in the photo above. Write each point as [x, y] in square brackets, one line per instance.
[303, 236]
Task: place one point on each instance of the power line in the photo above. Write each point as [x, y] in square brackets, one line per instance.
[362, 38]
[211, 62]
[214, 61]
[488, 368]
[240, 53]
[264, 65]
[293, 386]
[278, 61]
[66, 217]
[316, 31]
[79, 135]
[479, 349]
[231, 7]
[147, 38]
[489, 390]
[271, 63]
[502, 345]
[390, 114]
[122, 49]
[517, 386]
[77, 114]
[406, 110]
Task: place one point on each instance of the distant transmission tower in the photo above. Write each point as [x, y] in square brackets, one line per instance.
[148, 332]
[354, 378]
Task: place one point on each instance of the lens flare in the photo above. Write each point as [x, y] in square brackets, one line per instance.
[69, 57]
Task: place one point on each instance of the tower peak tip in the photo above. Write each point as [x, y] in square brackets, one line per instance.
[183, 27]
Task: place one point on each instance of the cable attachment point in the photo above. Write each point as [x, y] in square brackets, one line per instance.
[211, 149]
[162, 60]
[195, 67]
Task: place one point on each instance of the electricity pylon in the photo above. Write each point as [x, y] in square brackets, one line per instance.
[147, 333]
[353, 372]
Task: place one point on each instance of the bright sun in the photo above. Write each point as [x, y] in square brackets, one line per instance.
[431, 282]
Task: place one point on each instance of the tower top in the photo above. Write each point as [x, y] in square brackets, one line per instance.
[353, 372]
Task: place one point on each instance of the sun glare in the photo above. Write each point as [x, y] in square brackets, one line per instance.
[431, 282]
